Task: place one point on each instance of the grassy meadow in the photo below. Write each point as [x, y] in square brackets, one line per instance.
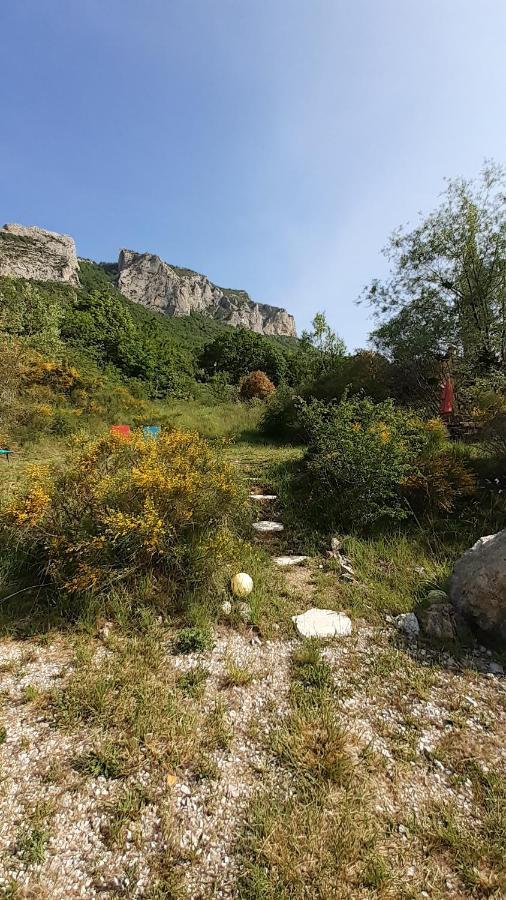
[163, 738]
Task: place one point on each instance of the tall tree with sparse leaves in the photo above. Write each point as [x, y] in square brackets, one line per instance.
[447, 284]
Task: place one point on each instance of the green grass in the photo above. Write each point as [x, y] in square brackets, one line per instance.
[123, 813]
[236, 675]
[105, 761]
[220, 421]
[192, 640]
[193, 681]
[33, 835]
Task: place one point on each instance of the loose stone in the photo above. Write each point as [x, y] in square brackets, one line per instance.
[322, 623]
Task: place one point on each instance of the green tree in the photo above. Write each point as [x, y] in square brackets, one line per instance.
[240, 352]
[447, 283]
[320, 352]
[33, 311]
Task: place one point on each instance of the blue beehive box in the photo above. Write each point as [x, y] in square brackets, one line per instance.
[151, 431]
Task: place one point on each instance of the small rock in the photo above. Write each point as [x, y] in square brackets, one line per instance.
[496, 668]
[261, 497]
[244, 610]
[322, 623]
[241, 584]
[226, 607]
[104, 630]
[346, 576]
[439, 619]
[346, 569]
[408, 624]
[335, 544]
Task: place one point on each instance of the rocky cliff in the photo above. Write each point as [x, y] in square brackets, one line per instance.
[30, 252]
[147, 279]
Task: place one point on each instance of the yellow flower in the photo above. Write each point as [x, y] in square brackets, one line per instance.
[31, 508]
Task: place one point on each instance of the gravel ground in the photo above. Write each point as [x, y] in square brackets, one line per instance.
[402, 718]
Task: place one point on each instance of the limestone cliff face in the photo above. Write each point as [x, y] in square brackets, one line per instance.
[146, 279]
[30, 252]
[33, 253]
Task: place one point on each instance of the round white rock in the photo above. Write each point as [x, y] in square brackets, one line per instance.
[241, 584]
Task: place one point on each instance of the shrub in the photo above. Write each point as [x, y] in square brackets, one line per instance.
[290, 417]
[366, 372]
[363, 458]
[256, 385]
[440, 479]
[123, 508]
[193, 640]
[282, 417]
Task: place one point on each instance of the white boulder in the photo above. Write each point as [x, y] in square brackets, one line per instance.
[478, 584]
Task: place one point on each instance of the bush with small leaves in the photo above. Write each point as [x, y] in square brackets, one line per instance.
[256, 386]
[124, 509]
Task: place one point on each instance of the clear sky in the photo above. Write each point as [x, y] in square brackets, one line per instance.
[271, 144]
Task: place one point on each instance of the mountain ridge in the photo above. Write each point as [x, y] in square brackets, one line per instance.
[33, 253]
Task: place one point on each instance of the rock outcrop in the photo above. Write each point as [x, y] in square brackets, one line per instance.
[147, 279]
[478, 584]
[32, 253]
[35, 254]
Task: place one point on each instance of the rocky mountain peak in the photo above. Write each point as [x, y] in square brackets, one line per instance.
[30, 252]
[34, 253]
[147, 279]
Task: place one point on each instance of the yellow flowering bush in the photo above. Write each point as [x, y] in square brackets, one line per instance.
[369, 461]
[124, 507]
[439, 478]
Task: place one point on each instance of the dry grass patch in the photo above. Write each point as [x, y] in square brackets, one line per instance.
[129, 695]
[123, 814]
[318, 837]
[473, 847]
[236, 675]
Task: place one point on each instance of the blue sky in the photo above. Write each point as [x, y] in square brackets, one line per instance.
[272, 144]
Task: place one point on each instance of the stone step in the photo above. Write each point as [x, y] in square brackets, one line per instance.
[266, 527]
[323, 623]
[290, 560]
[263, 497]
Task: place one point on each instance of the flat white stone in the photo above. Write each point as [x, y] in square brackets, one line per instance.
[322, 623]
[263, 496]
[290, 560]
[265, 527]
